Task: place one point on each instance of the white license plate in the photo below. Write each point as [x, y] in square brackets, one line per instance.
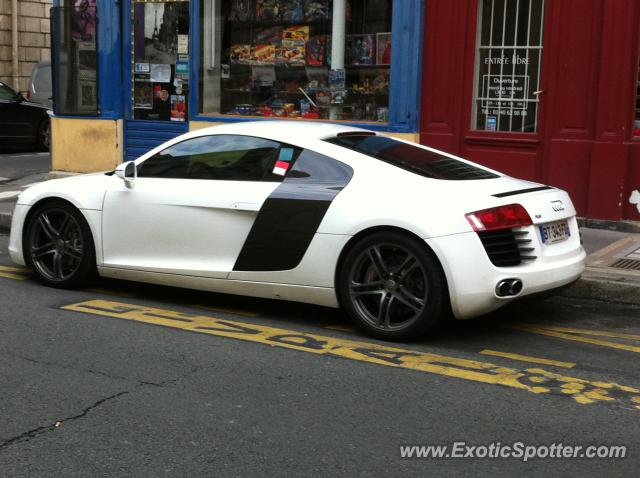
[553, 232]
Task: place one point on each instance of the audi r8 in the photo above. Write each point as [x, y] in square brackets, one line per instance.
[399, 235]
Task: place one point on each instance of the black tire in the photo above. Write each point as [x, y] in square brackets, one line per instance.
[59, 247]
[43, 139]
[402, 296]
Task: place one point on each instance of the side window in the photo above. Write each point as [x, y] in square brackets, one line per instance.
[222, 157]
[6, 93]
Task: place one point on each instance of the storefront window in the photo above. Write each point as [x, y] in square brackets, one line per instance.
[160, 50]
[507, 71]
[75, 60]
[273, 58]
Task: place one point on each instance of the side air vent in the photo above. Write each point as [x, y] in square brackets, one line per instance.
[508, 247]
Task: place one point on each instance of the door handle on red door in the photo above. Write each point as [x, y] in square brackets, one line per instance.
[246, 206]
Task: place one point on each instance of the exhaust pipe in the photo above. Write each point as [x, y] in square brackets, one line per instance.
[508, 287]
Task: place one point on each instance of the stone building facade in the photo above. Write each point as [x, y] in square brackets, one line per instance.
[34, 39]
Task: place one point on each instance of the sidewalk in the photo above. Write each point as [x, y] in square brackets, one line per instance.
[613, 262]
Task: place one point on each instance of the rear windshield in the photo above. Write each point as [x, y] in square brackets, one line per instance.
[417, 160]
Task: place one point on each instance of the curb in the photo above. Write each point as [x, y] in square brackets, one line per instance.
[5, 222]
[620, 226]
[606, 287]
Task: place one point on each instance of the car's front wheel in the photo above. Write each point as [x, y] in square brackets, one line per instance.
[59, 246]
[392, 286]
[43, 140]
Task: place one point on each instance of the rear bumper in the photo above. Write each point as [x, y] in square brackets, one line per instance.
[472, 278]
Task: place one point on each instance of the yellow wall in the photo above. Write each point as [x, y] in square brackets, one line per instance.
[85, 145]
[414, 137]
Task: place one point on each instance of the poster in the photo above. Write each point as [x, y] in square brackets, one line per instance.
[83, 20]
[160, 73]
[178, 110]
[183, 44]
[143, 97]
[162, 22]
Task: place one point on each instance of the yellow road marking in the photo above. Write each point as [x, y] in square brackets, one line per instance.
[228, 311]
[23, 270]
[528, 358]
[341, 328]
[600, 333]
[548, 331]
[7, 275]
[533, 380]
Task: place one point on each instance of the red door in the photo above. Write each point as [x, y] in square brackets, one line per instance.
[540, 89]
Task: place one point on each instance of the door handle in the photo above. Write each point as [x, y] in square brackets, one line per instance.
[246, 206]
[539, 92]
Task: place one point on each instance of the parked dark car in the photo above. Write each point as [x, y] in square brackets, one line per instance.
[22, 123]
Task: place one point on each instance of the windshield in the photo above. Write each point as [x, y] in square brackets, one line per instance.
[418, 160]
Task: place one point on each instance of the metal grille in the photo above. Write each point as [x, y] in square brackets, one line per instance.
[627, 264]
[508, 60]
[507, 247]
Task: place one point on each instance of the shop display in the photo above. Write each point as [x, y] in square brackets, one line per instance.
[383, 48]
[276, 61]
[316, 50]
[360, 50]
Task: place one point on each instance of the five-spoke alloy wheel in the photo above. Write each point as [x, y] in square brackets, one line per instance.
[392, 286]
[59, 246]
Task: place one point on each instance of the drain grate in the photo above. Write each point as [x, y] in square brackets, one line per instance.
[627, 264]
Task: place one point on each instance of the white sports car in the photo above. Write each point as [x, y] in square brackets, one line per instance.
[397, 234]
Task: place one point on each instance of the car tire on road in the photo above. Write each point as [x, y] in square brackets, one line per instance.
[43, 140]
[393, 287]
[59, 246]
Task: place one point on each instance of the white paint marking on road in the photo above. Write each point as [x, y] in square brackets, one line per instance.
[4, 179]
[9, 194]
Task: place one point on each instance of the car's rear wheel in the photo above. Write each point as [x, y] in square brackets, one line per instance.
[43, 139]
[59, 246]
[392, 286]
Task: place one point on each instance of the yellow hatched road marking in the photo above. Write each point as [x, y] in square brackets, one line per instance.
[22, 270]
[528, 358]
[7, 275]
[600, 333]
[551, 332]
[533, 380]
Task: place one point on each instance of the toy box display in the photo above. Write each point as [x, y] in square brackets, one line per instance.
[360, 50]
[316, 50]
[276, 61]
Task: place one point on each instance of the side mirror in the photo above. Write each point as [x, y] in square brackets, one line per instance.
[128, 173]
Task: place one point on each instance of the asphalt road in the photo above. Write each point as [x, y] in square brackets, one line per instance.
[126, 379]
[19, 164]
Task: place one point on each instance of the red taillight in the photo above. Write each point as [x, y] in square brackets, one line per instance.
[29, 94]
[501, 217]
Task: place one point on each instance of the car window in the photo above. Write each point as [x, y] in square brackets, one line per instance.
[6, 93]
[412, 158]
[222, 157]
